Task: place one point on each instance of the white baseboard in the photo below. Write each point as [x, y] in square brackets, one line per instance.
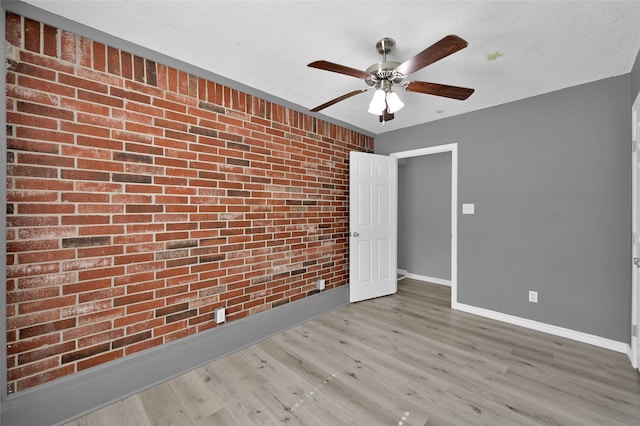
[579, 336]
[433, 280]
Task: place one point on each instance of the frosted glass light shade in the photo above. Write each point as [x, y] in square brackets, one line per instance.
[378, 103]
[394, 103]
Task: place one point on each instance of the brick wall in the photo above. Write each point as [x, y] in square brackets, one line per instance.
[141, 198]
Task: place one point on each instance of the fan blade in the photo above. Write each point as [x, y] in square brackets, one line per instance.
[441, 49]
[338, 99]
[453, 92]
[340, 69]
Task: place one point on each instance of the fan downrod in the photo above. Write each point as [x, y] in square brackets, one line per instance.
[384, 46]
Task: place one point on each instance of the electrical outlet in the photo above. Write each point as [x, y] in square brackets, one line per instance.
[533, 296]
[220, 315]
[320, 285]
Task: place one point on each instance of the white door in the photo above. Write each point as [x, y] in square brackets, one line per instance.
[373, 194]
[635, 290]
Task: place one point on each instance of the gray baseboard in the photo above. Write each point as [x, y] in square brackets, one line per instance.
[65, 399]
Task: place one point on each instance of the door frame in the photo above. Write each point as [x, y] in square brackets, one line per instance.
[453, 149]
[635, 233]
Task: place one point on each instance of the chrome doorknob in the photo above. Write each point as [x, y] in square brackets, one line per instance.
[353, 234]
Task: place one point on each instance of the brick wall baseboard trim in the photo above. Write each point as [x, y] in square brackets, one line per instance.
[63, 400]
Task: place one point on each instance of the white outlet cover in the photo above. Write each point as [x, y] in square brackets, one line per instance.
[468, 208]
[220, 315]
[533, 296]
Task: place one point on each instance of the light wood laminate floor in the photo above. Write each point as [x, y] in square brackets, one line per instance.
[406, 359]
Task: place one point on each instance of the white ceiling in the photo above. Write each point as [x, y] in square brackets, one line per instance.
[544, 45]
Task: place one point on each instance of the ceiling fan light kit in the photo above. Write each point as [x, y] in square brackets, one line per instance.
[394, 104]
[378, 103]
[383, 76]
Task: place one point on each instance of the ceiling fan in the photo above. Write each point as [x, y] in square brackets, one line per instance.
[385, 75]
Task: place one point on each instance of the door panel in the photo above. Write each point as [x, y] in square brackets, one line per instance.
[635, 198]
[372, 225]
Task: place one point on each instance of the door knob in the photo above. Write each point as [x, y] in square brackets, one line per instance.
[353, 234]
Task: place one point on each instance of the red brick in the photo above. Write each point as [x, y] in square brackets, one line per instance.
[86, 308]
[44, 377]
[14, 29]
[45, 86]
[100, 359]
[99, 56]
[145, 306]
[37, 71]
[98, 143]
[126, 62]
[101, 230]
[138, 69]
[68, 46]
[138, 318]
[45, 256]
[99, 273]
[113, 60]
[129, 340]
[15, 322]
[108, 293]
[32, 35]
[134, 298]
[46, 352]
[100, 316]
[95, 165]
[86, 330]
[48, 328]
[26, 345]
[169, 328]
[100, 99]
[96, 339]
[143, 345]
[78, 264]
[27, 270]
[73, 81]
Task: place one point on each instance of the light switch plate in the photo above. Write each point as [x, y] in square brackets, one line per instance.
[468, 209]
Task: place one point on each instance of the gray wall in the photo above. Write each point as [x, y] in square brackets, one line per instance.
[424, 215]
[551, 180]
[635, 78]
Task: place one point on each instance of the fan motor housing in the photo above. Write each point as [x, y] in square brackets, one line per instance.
[384, 71]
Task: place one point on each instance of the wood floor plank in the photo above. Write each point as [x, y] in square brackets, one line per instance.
[197, 398]
[127, 412]
[405, 359]
[163, 407]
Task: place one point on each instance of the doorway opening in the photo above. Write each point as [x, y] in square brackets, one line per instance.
[453, 149]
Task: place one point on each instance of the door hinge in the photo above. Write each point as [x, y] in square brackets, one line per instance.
[636, 261]
[634, 330]
[634, 145]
